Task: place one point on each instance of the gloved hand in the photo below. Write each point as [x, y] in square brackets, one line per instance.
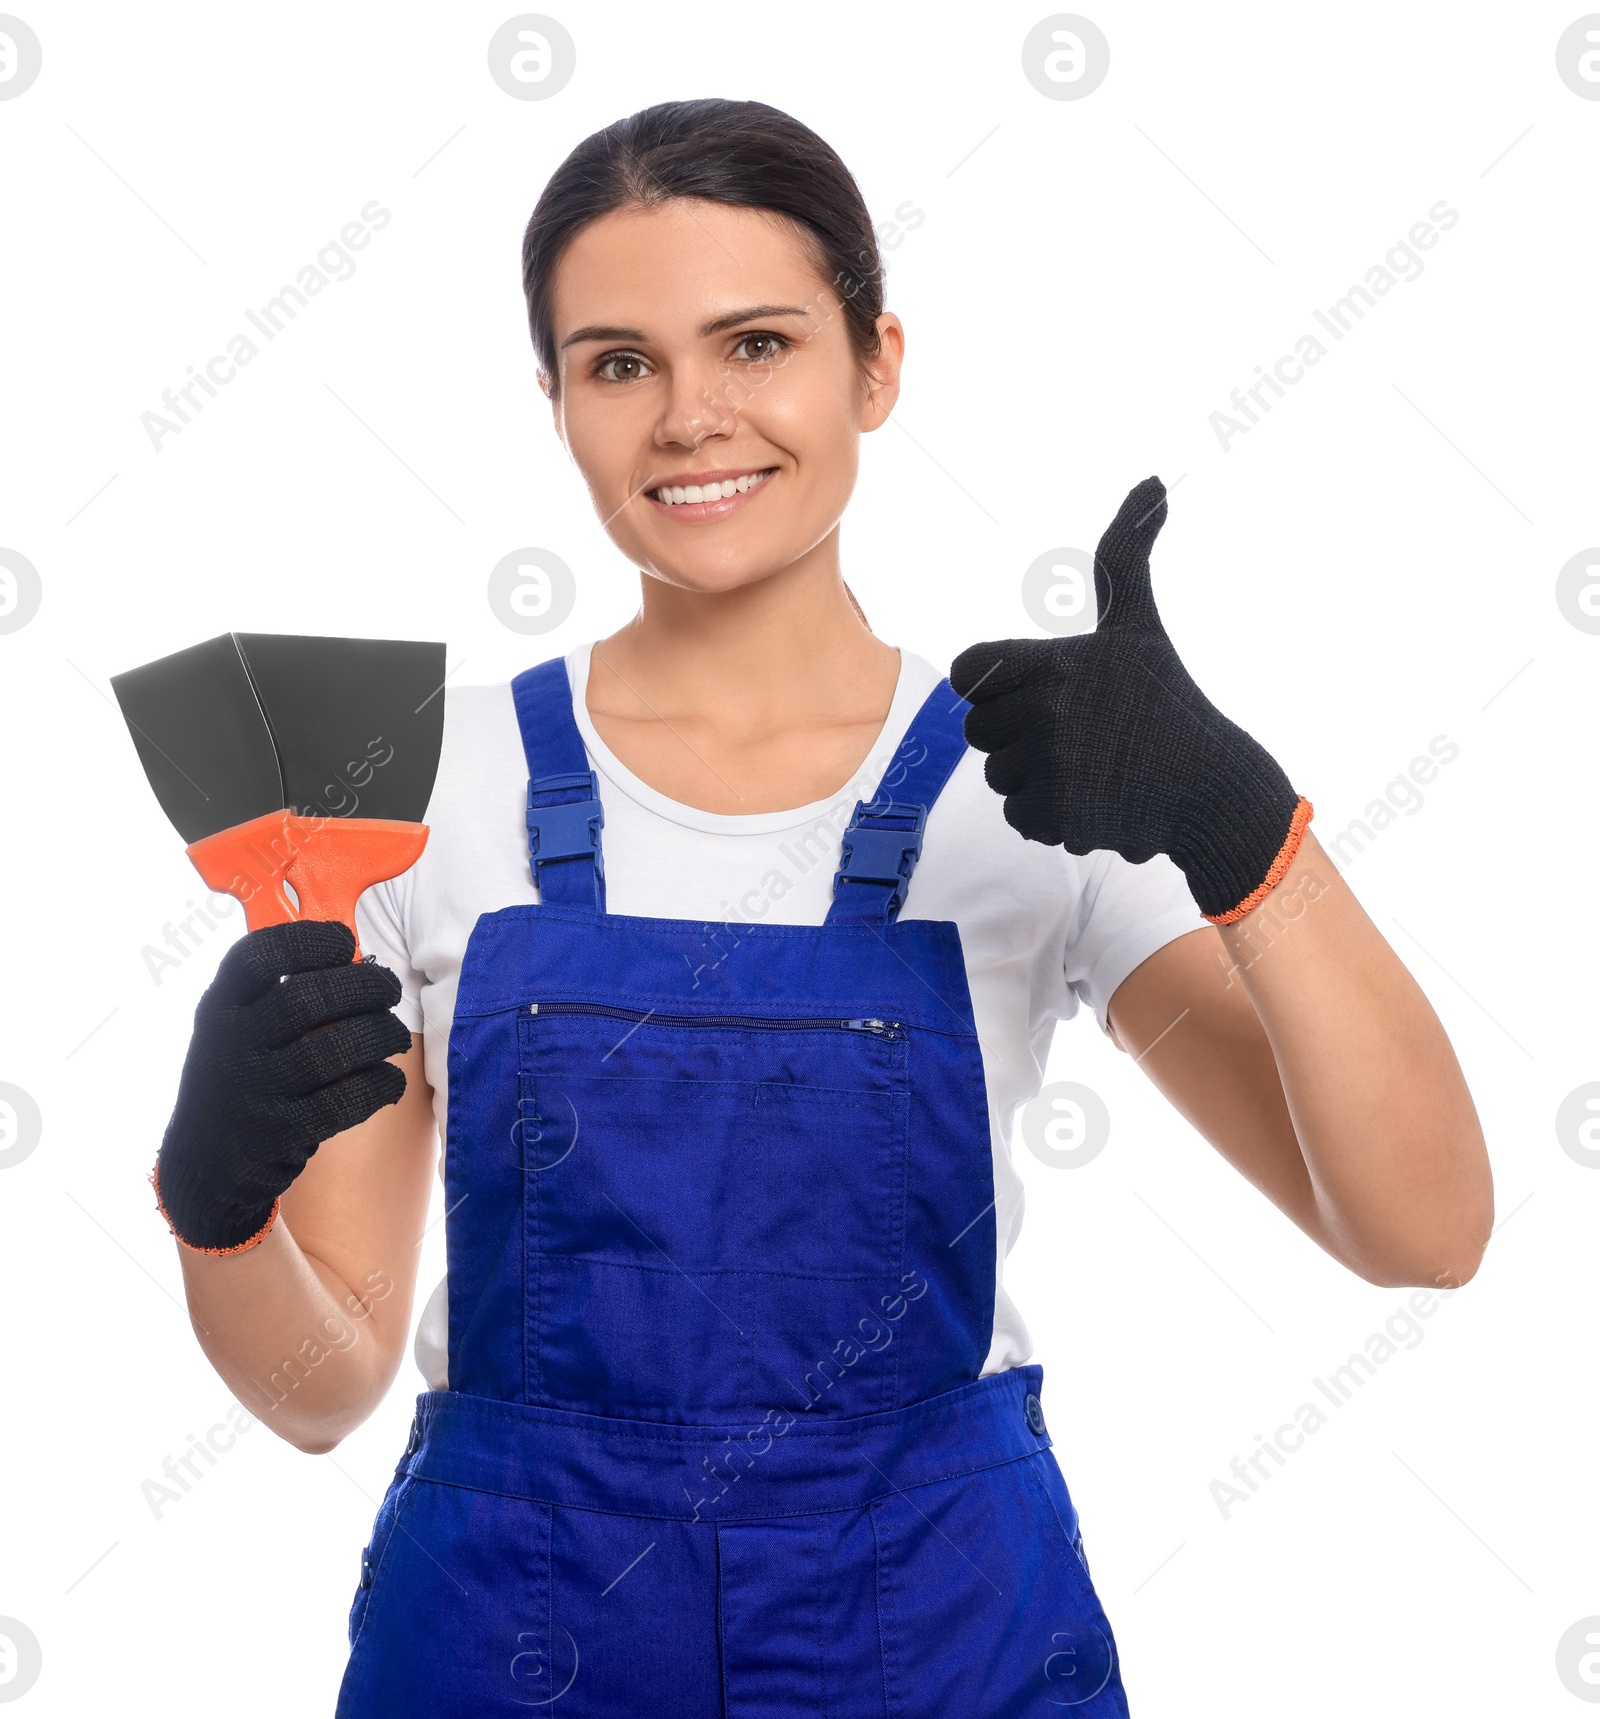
[1101, 740]
[275, 1067]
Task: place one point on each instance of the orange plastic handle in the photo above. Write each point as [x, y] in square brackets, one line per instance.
[328, 861]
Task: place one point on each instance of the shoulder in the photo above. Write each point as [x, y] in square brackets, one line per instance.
[479, 718]
[470, 706]
[480, 745]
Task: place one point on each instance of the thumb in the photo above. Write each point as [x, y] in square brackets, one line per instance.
[1122, 594]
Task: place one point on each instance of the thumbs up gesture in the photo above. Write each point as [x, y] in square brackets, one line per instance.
[1102, 740]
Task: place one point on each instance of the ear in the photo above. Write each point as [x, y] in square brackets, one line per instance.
[882, 373]
[546, 387]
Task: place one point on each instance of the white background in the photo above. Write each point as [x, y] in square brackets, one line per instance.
[1367, 568]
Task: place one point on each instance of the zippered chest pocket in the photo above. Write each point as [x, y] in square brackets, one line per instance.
[715, 1143]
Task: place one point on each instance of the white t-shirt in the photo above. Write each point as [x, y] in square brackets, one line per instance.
[1042, 929]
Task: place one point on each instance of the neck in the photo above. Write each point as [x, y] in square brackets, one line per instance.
[748, 658]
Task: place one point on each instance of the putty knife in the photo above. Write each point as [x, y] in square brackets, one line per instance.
[263, 748]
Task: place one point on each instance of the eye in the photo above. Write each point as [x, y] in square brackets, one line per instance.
[600, 366]
[628, 366]
[775, 343]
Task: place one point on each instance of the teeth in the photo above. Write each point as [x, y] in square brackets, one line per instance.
[709, 492]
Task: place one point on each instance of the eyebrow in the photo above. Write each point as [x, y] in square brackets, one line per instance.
[717, 325]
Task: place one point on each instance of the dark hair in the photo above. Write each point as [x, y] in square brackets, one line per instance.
[739, 152]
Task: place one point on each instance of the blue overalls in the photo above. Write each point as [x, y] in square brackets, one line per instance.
[722, 1249]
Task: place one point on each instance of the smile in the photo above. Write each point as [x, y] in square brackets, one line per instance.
[708, 496]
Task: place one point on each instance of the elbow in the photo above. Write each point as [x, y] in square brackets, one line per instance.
[1460, 1271]
[313, 1436]
[1452, 1276]
[1438, 1244]
[317, 1425]
[1453, 1260]
[328, 1432]
[315, 1444]
[1441, 1266]
[312, 1440]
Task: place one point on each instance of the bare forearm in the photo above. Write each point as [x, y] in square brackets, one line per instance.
[1384, 1121]
[298, 1346]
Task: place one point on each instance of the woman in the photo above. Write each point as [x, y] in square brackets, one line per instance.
[729, 1410]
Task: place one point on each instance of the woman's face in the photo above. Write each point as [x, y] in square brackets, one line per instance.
[696, 340]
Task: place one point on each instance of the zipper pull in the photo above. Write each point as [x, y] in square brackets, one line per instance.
[871, 1024]
[533, 1008]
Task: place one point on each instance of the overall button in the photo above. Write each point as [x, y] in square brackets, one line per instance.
[1034, 1410]
[416, 1431]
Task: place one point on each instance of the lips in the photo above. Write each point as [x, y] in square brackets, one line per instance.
[710, 494]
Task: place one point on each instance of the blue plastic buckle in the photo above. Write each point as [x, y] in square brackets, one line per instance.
[884, 851]
[570, 831]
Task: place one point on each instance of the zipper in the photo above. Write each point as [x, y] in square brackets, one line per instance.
[860, 1024]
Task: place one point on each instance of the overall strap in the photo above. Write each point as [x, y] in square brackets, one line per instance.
[879, 849]
[564, 811]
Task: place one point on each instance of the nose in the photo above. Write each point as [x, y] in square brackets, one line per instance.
[698, 405]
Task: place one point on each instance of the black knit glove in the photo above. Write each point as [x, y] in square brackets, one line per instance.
[275, 1067]
[1101, 740]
